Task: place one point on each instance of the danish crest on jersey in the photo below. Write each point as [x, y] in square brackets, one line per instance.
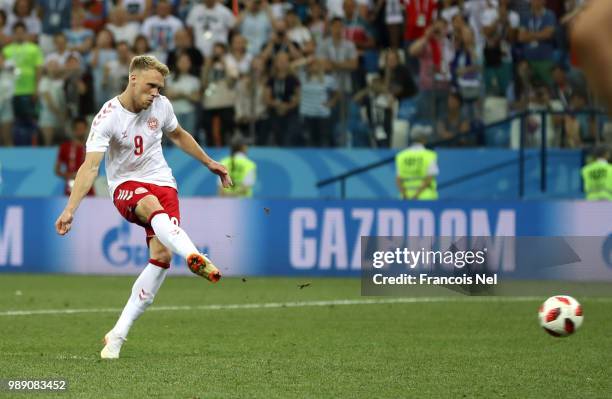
[153, 123]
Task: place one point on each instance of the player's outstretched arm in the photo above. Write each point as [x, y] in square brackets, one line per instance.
[185, 141]
[83, 181]
[590, 32]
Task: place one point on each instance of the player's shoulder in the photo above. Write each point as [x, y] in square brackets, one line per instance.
[163, 102]
[107, 113]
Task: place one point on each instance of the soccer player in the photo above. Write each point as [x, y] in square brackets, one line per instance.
[129, 130]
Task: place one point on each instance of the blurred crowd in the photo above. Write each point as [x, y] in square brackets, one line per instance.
[300, 72]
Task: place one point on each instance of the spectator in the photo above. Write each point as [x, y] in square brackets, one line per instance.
[357, 29]
[211, 23]
[52, 103]
[335, 8]
[183, 90]
[282, 96]
[5, 30]
[250, 107]
[341, 56]
[103, 52]
[448, 10]
[184, 45]
[61, 53]
[319, 95]
[580, 128]
[420, 15]
[7, 78]
[537, 34]
[500, 29]
[301, 9]
[219, 97]
[539, 100]
[472, 13]
[317, 22]
[397, 76]
[71, 155]
[7, 5]
[141, 45]
[122, 29]
[522, 7]
[182, 8]
[378, 101]
[137, 10]
[79, 89]
[279, 8]
[116, 71]
[94, 14]
[255, 22]
[521, 88]
[563, 86]
[296, 32]
[23, 11]
[79, 37]
[280, 43]
[309, 49]
[394, 20]
[56, 17]
[465, 66]
[434, 75]
[454, 128]
[28, 59]
[238, 60]
[161, 28]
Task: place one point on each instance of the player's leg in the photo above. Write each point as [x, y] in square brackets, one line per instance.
[149, 210]
[143, 293]
[591, 33]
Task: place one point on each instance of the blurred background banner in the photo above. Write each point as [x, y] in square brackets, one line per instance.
[286, 237]
[294, 173]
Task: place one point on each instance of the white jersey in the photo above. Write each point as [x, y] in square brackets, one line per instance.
[210, 25]
[132, 142]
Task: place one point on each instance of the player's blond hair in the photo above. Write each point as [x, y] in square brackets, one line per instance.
[148, 62]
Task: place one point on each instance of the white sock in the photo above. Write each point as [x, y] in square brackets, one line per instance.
[143, 292]
[172, 236]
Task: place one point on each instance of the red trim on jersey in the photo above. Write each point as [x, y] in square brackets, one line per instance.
[155, 214]
[158, 263]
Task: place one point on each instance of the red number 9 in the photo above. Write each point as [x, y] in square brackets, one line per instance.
[138, 144]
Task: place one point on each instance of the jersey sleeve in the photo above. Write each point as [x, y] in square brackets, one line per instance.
[99, 136]
[169, 122]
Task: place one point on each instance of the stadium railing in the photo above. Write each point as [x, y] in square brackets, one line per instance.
[478, 133]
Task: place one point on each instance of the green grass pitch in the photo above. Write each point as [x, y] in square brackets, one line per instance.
[456, 348]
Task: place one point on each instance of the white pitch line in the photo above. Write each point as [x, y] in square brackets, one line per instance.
[276, 305]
